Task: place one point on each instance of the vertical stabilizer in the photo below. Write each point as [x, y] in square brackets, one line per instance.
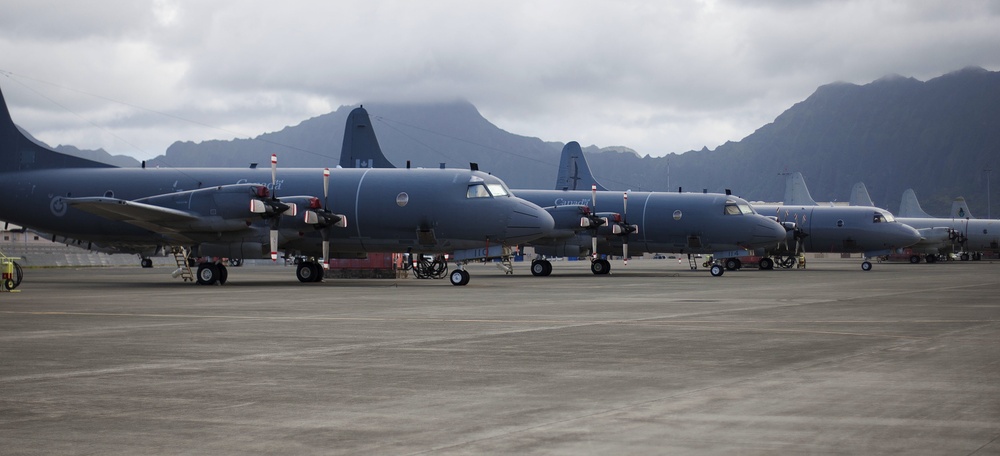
[860, 196]
[574, 172]
[909, 206]
[18, 153]
[360, 148]
[796, 192]
[959, 209]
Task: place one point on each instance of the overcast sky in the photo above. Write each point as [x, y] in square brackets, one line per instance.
[133, 76]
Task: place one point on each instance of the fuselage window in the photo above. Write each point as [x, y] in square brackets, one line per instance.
[477, 191]
[840, 223]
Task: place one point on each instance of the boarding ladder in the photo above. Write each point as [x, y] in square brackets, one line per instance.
[181, 256]
[692, 262]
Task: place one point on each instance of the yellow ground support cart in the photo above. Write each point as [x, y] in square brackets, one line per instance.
[11, 273]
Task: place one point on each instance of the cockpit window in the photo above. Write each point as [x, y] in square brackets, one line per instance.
[734, 208]
[883, 217]
[477, 191]
[497, 190]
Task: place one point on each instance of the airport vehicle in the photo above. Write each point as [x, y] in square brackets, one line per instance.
[217, 213]
[607, 223]
[835, 229]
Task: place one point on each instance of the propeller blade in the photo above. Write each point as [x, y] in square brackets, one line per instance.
[274, 173]
[326, 186]
[625, 221]
[274, 245]
[326, 252]
[593, 202]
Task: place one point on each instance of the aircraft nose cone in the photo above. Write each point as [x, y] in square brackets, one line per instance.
[528, 222]
[767, 232]
[906, 236]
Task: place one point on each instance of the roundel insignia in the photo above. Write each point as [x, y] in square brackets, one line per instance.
[402, 198]
[58, 206]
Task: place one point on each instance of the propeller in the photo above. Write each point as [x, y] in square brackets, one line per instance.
[323, 218]
[622, 227]
[270, 207]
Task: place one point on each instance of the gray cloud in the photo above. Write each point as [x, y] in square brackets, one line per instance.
[656, 76]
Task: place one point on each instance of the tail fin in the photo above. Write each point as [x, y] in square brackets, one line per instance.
[19, 153]
[361, 149]
[910, 207]
[959, 209]
[574, 172]
[859, 195]
[796, 192]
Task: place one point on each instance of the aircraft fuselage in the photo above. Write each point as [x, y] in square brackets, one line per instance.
[667, 222]
[387, 210]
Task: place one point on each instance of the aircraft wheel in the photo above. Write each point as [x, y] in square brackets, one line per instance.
[223, 274]
[600, 267]
[305, 272]
[459, 277]
[914, 259]
[208, 274]
[541, 268]
[766, 264]
[717, 270]
[733, 264]
[146, 263]
[866, 266]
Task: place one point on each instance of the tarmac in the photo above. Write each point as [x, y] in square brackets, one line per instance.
[651, 359]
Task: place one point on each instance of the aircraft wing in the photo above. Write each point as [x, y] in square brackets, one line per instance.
[162, 220]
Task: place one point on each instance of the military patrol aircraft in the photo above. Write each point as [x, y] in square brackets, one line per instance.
[960, 234]
[310, 214]
[720, 224]
[836, 229]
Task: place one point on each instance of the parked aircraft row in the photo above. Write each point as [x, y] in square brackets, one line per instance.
[314, 215]
[724, 226]
[961, 234]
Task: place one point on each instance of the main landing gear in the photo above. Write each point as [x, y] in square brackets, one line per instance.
[309, 271]
[459, 277]
[541, 268]
[211, 273]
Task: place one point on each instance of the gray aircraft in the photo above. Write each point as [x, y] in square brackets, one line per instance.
[604, 222]
[835, 229]
[249, 213]
[961, 234]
